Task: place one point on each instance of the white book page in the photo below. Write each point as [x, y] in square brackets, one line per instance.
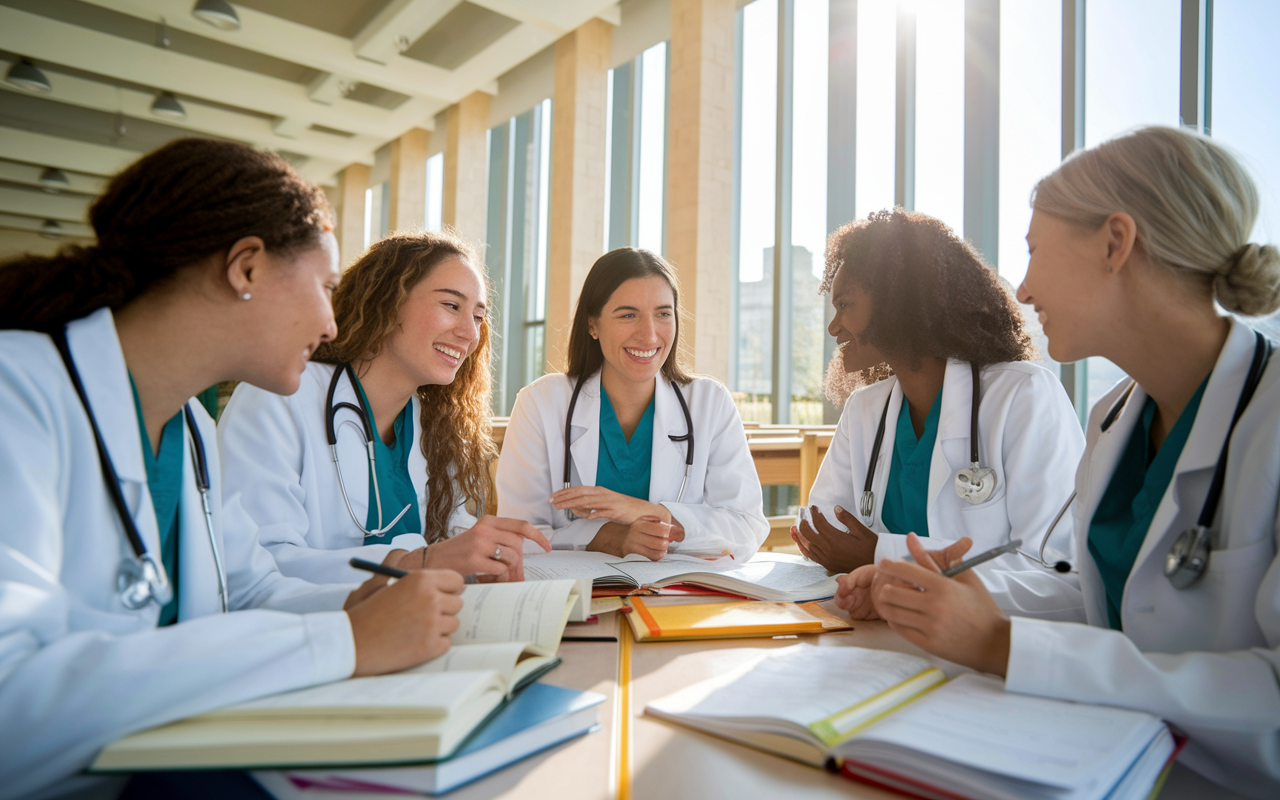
[499, 656]
[402, 694]
[528, 611]
[780, 573]
[973, 721]
[802, 685]
[574, 565]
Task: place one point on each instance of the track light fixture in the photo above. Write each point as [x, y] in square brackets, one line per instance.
[166, 105]
[218, 13]
[28, 76]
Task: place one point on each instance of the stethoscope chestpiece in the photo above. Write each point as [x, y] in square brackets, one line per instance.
[140, 581]
[867, 504]
[1188, 559]
[976, 484]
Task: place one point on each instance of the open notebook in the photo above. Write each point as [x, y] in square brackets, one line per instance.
[767, 576]
[508, 634]
[896, 721]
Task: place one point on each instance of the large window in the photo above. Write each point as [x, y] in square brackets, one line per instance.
[519, 180]
[435, 191]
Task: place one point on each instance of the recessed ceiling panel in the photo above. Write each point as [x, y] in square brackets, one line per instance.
[341, 17]
[49, 117]
[376, 96]
[124, 26]
[459, 35]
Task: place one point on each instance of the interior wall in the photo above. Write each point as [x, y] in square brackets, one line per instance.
[524, 86]
[644, 24]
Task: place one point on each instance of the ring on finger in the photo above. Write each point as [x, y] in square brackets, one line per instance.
[497, 553]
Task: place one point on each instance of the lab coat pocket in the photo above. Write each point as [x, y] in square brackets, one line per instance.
[987, 524]
[1230, 587]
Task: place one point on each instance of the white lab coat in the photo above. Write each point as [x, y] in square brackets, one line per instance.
[78, 669]
[1031, 438]
[280, 480]
[721, 510]
[1206, 658]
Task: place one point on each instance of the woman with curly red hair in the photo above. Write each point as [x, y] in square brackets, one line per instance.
[384, 452]
[932, 346]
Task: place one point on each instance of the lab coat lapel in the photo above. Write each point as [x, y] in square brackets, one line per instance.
[585, 441]
[667, 464]
[954, 423]
[95, 348]
[353, 454]
[1199, 456]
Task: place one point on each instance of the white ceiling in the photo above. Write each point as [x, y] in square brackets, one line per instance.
[324, 82]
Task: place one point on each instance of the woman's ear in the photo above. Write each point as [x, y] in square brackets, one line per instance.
[1121, 233]
[591, 328]
[242, 265]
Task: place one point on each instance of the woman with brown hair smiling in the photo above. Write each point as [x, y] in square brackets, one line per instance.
[949, 430]
[627, 452]
[386, 445]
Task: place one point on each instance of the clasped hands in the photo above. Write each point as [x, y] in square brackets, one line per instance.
[634, 526]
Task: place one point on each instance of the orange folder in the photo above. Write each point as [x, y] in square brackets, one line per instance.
[749, 618]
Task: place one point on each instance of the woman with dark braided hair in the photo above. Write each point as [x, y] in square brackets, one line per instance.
[122, 604]
[919, 317]
[411, 360]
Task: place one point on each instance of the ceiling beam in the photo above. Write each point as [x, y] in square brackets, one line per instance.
[397, 26]
[29, 175]
[84, 49]
[53, 151]
[511, 50]
[35, 203]
[73, 229]
[209, 120]
[310, 47]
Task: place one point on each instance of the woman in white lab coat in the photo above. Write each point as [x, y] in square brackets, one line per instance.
[1131, 244]
[410, 365]
[919, 316]
[657, 459]
[213, 261]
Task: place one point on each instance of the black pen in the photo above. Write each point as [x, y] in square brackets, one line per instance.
[392, 572]
[995, 552]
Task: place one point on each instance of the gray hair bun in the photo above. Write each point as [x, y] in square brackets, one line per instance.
[1250, 282]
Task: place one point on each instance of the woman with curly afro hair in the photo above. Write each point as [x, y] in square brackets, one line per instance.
[918, 318]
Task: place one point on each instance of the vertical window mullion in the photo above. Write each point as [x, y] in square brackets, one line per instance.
[782, 283]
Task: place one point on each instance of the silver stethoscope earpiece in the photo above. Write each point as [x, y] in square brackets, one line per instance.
[365, 426]
[974, 485]
[140, 579]
[687, 438]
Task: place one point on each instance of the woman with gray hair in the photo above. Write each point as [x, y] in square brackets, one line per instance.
[1137, 246]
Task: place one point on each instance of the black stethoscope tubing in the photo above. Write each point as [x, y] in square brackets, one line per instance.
[199, 462]
[687, 438]
[867, 503]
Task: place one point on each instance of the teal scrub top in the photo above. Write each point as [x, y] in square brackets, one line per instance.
[906, 496]
[624, 466]
[1127, 507]
[394, 484]
[164, 480]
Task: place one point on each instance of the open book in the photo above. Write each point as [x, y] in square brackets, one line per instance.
[508, 634]
[895, 720]
[767, 576]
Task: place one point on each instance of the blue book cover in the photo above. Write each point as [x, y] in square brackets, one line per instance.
[538, 717]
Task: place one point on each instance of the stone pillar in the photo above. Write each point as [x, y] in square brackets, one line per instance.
[353, 183]
[700, 176]
[578, 163]
[465, 162]
[408, 207]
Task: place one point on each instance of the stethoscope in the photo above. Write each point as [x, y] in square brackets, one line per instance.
[366, 427]
[141, 579]
[974, 485]
[687, 438]
[1188, 557]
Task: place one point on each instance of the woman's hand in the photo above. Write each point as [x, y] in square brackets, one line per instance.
[853, 593]
[833, 548]
[954, 618]
[594, 502]
[493, 546]
[400, 624]
[647, 536]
